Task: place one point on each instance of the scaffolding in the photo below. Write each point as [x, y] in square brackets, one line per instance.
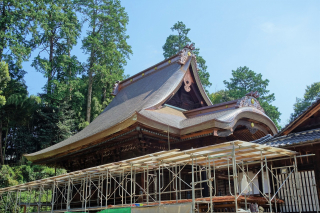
[161, 178]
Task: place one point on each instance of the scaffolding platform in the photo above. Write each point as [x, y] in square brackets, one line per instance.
[161, 178]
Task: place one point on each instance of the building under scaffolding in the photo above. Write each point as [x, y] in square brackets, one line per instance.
[183, 181]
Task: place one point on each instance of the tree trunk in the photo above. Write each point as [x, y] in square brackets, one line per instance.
[51, 66]
[5, 143]
[70, 73]
[88, 117]
[1, 156]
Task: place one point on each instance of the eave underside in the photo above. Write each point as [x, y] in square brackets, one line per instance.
[139, 139]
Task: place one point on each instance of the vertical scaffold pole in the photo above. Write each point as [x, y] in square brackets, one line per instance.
[147, 184]
[235, 177]
[159, 184]
[274, 189]
[193, 189]
[269, 190]
[155, 184]
[53, 193]
[176, 171]
[298, 183]
[107, 185]
[85, 198]
[131, 176]
[210, 184]
[39, 200]
[16, 202]
[180, 183]
[68, 195]
[262, 173]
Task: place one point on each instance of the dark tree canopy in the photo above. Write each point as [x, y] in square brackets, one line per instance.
[50, 30]
[175, 43]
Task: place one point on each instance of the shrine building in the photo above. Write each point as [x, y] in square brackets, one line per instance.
[161, 108]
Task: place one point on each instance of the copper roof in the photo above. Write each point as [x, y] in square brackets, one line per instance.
[141, 100]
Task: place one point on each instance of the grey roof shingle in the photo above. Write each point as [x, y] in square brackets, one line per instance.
[144, 93]
[144, 96]
[291, 139]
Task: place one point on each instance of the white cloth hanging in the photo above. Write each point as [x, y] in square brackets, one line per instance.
[245, 185]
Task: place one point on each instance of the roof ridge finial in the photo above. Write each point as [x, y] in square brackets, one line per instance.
[185, 53]
[190, 47]
[253, 94]
[115, 88]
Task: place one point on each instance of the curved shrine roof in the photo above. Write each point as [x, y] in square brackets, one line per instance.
[142, 98]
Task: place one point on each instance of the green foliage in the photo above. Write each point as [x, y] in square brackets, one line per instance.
[59, 30]
[244, 81]
[220, 97]
[106, 45]
[14, 175]
[30, 123]
[4, 78]
[175, 43]
[17, 23]
[311, 94]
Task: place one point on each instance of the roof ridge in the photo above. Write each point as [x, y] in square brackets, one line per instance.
[181, 58]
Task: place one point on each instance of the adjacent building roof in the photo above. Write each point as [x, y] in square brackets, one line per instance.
[293, 139]
[142, 97]
[315, 106]
[291, 136]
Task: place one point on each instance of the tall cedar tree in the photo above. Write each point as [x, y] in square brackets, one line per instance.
[16, 25]
[59, 30]
[311, 94]
[244, 81]
[175, 43]
[17, 31]
[105, 43]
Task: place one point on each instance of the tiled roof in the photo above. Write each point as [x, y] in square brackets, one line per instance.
[147, 92]
[142, 98]
[291, 139]
[263, 139]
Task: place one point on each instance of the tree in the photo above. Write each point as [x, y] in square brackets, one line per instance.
[106, 45]
[16, 111]
[16, 25]
[244, 81]
[175, 43]
[220, 97]
[4, 78]
[311, 94]
[59, 30]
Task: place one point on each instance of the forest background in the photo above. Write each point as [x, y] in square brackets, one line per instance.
[76, 91]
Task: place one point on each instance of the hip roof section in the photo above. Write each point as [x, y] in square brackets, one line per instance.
[142, 99]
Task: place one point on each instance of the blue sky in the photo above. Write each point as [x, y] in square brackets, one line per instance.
[279, 39]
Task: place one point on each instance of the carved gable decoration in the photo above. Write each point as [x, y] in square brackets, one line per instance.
[185, 53]
[188, 80]
[249, 101]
